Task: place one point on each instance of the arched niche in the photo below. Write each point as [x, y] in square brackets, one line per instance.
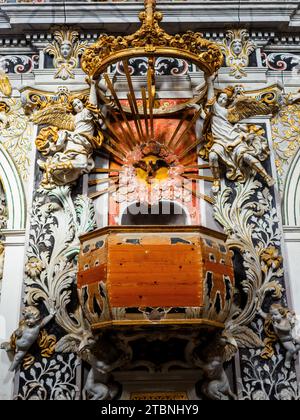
[14, 192]
[291, 197]
[164, 213]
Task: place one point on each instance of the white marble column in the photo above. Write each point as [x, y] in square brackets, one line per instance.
[10, 304]
[292, 241]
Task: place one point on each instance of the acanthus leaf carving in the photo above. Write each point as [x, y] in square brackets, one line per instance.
[237, 48]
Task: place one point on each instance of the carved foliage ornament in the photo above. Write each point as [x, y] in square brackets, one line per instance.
[286, 138]
[237, 49]
[65, 49]
[151, 40]
[16, 134]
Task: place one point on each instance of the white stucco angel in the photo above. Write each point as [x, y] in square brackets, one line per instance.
[284, 322]
[72, 131]
[225, 141]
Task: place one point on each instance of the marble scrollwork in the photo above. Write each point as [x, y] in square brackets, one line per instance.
[164, 66]
[281, 61]
[19, 64]
[66, 50]
[237, 48]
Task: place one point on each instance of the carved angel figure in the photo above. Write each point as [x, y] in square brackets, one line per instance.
[284, 321]
[75, 130]
[103, 357]
[211, 359]
[226, 141]
[27, 334]
[100, 384]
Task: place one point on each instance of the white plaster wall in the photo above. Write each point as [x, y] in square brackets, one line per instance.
[13, 277]
[10, 304]
[292, 241]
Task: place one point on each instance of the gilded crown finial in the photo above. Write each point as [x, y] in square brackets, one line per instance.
[151, 41]
[150, 6]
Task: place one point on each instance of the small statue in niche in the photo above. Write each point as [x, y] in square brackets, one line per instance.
[237, 48]
[66, 49]
[75, 130]
[226, 141]
[284, 322]
[27, 334]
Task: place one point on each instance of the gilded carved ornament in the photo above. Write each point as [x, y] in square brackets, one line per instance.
[286, 135]
[73, 129]
[240, 215]
[237, 48]
[151, 41]
[16, 133]
[5, 85]
[66, 50]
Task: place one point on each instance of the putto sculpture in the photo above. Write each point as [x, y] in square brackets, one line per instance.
[26, 335]
[284, 321]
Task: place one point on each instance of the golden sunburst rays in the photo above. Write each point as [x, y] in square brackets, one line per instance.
[126, 133]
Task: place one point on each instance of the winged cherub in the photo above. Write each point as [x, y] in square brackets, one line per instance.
[226, 141]
[73, 130]
[100, 384]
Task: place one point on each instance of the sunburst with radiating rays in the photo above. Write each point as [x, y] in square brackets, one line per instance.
[140, 156]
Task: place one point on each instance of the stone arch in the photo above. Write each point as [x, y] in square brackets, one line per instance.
[14, 191]
[291, 197]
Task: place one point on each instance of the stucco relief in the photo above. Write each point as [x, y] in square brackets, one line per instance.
[16, 134]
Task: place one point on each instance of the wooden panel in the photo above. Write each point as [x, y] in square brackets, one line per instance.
[165, 238]
[154, 274]
[93, 275]
[95, 254]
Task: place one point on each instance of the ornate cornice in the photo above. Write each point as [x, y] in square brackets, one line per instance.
[122, 16]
